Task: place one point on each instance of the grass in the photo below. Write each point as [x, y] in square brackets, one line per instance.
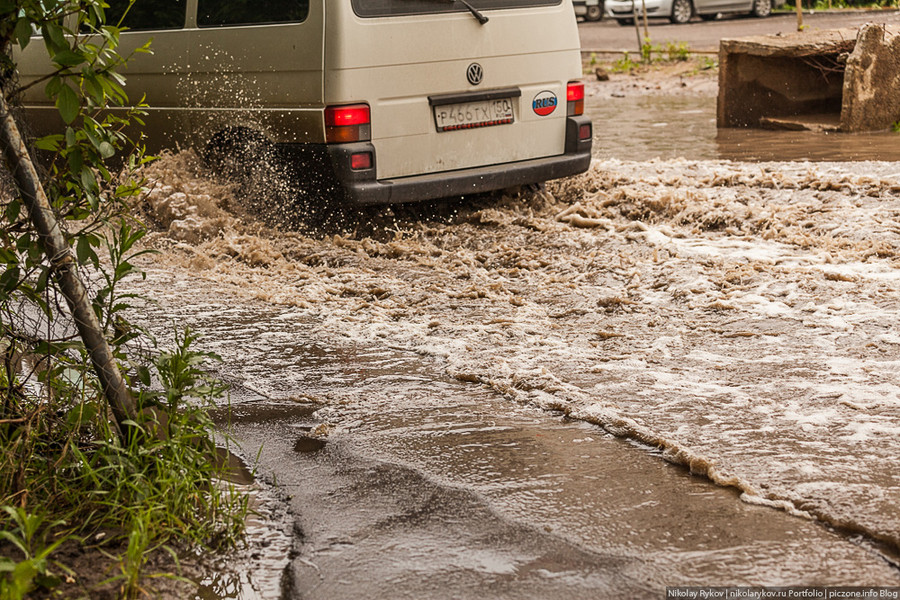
[825, 5]
[66, 477]
[672, 52]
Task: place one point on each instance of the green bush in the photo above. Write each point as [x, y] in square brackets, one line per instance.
[69, 470]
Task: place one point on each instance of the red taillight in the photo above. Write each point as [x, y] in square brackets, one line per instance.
[342, 116]
[350, 123]
[361, 161]
[585, 132]
[575, 98]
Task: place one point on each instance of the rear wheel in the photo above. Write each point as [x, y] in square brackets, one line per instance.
[594, 13]
[682, 11]
[762, 8]
[233, 150]
[279, 185]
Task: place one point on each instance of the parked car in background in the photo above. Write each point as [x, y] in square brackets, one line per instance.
[681, 11]
[590, 10]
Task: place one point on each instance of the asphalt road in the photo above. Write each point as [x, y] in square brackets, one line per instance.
[607, 35]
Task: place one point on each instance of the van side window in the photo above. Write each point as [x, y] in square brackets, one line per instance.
[218, 13]
[147, 14]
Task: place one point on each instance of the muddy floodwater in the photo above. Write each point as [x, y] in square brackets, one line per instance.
[676, 369]
[639, 127]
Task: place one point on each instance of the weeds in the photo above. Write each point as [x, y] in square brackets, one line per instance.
[650, 53]
[146, 480]
[647, 50]
[625, 64]
[677, 52]
[156, 488]
[825, 5]
[17, 578]
[707, 63]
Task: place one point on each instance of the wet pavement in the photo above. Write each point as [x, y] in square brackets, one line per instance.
[705, 35]
[406, 483]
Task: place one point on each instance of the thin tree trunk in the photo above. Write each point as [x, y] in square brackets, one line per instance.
[64, 268]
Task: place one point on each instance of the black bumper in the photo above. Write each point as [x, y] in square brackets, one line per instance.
[361, 187]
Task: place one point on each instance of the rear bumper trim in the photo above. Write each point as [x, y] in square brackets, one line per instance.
[361, 188]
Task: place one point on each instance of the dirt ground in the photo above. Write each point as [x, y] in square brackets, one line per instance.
[696, 76]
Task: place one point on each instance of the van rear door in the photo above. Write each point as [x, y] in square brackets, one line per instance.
[448, 92]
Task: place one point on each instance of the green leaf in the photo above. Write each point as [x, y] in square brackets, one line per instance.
[23, 32]
[8, 256]
[84, 252]
[68, 58]
[76, 160]
[12, 211]
[144, 375]
[50, 143]
[9, 280]
[54, 86]
[106, 149]
[41, 284]
[89, 181]
[81, 414]
[47, 581]
[6, 565]
[67, 103]
[54, 36]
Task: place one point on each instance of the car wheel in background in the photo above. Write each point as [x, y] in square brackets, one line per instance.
[762, 8]
[683, 10]
[594, 13]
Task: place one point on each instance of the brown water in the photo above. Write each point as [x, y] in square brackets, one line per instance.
[660, 126]
[422, 484]
[440, 388]
[437, 387]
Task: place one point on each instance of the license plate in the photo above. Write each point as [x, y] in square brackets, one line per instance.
[470, 115]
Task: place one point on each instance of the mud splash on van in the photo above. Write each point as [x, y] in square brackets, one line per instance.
[738, 316]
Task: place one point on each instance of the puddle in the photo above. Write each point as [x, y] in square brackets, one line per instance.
[667, 127]
[437, 477]
[307, 444]
[425, 478]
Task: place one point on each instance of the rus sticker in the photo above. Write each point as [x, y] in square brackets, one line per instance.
[544, 103]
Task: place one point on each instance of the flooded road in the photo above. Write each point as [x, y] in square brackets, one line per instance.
[420, 483]
[511, 394]
[632, 124]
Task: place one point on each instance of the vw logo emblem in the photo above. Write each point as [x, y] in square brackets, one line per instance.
[474, 73]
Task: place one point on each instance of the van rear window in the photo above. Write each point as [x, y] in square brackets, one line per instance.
[221, 13]
[147, 14]
[389, 8]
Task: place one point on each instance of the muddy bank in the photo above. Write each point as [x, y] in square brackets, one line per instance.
[696, 76]
[738, 316]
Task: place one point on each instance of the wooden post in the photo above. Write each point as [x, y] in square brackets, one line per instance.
[799, 14]
[637, 27]
[646, 25]
[64, 268]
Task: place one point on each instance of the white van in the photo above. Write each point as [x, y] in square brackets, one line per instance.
[403, 100]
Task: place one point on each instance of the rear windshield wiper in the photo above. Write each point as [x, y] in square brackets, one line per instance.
[475, 12]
